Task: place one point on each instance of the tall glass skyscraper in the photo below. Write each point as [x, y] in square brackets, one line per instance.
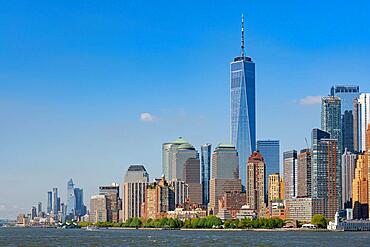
[346, 94]
[71, 200]
[270, 150]
[50, 202]
[206, 154]
[243, 107]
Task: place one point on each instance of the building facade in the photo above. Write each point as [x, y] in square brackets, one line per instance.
[50, 202]
[304, 208]
[113, 201]
[71, 200]
[363, 119]
[256, 183]
[135, 183]
[270, 150]
[304, 173]
[274, 188]
[167, 153]
[191, 175]
[225, 162]
[290, 173]
[206, 154]
[360, 194]
[98, 209]
[243, 107]
[348, 174]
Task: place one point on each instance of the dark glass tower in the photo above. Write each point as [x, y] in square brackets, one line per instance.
[243, 107]
[206, 170]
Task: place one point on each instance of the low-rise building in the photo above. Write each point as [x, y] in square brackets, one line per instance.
[183, 214]
[303, 208]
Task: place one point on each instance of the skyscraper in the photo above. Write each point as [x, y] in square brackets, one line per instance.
[270, 150]
[80, 206]
[348, 174]
[179, 157]
[304, 173]
[243, 107]
[134, 191]
[331, 123]
[256, 183]
[224, 175]
[274, 187]
[363, 119]
[113, 201]
[50, 202]
[324, 182]
[206, 171]
[347, 94]
[167, 153]
[192, 178]
[39, 208]
[71, 200]
[55, 201]
[290, 174]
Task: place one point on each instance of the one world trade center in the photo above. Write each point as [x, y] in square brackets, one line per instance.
[243, 107]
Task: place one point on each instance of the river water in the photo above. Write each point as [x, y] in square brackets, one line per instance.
[78, 237]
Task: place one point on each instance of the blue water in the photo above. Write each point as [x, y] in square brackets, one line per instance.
[78, 237]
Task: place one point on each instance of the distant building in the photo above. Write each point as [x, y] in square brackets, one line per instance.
[181, 192]
[39, 208]
[363, 119]
[270, 150]
[206, 155]
[159, 199]
[71, 200]
[191, 176]
[113, 201]
[324, 182]
[33, 213]
[348, 174]
[290, 173]
[183, 214]
[168, 150]
[346, 93]
[243, 107]
[225, 162]
[80, 208]
[304, 173]
[134, 191]
[331, 123]
[50, 202]
[98, 209]
[360, 194]
[303, 208]
[225, 174]
[274, 187]
[180, 156]
[55, 201]
[256, 183]
[232, 201]
[277, 209]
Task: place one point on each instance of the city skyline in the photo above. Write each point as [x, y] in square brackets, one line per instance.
[63, 108]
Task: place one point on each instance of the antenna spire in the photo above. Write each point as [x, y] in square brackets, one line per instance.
[242, 55]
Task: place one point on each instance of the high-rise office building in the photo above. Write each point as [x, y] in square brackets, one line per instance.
[274, 188]
[346, 94]
[71, 200]
[331, 123]
[256, 183]
[324, 182]
[113, 201]
[363, 119]
[356, 126]
[180, 190]
[80, 209]
[224, 175]
[168, 150]
[55, 201]
[270, 150]
[348, 174]
[50, 202]
[304, 173]
[225, 162]
[98, 209]
[33, 213]
[290, 174]
[179, 157]
[243, 107]
[191, 175]
[39, 208]
[206, 171]
[360, 194]
[134, 191]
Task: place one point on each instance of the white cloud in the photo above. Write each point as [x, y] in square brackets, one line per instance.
[310, 100]
[147, 117]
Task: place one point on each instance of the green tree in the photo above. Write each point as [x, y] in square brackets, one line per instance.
[136, 222]
[319, 221]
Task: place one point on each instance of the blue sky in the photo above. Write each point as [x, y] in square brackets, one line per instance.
[75, 77]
